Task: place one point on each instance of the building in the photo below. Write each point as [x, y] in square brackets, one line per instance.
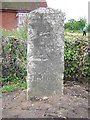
[9, 12]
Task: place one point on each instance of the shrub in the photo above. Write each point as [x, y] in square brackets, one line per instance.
[14, 52]
[76, 60]
[75, 24]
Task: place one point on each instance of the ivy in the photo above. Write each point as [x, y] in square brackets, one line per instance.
[76, 63]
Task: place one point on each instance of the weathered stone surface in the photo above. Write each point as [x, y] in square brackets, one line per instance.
[45, 52]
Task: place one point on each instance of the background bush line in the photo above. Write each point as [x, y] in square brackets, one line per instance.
[14, 53]
[76, 25]
[77, 66]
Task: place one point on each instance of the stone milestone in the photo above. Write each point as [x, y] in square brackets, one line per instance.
[45, 52]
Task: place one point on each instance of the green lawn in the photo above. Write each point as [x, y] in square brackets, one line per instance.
[13, 87]
[75, 36]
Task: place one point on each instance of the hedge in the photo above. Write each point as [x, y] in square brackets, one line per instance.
[14, 54]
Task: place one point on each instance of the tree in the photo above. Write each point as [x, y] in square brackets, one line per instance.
[75, 25]
[81, 23]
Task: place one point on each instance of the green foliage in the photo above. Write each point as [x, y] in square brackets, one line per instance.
[20, 33]
[14, 53]
[88, 28]
[76, 60]
[75, 25]
[14, 86]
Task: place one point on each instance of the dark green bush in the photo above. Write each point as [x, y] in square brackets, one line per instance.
[14, 53]
[14, 60]
[76, 60]
[75, 25]
[88, 28]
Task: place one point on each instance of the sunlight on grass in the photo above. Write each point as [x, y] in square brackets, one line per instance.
[75, 36]
[72, 36]
[13, 87]
[20, 33]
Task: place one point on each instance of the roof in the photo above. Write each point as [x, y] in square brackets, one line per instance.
[23, 6]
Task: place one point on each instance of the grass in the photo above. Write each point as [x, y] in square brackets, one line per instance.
[12, 87]
[75, 35]
[22, 34]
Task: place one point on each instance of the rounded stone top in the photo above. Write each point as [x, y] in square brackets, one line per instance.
[47, 10]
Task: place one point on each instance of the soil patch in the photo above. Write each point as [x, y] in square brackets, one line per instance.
[73, 104]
